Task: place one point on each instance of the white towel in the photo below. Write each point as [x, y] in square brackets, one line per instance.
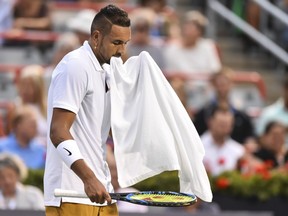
[151, 129]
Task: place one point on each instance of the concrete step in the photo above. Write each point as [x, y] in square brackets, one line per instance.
[234, 54]
[259, 60]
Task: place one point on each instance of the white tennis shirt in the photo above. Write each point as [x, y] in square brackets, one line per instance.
[78, 85]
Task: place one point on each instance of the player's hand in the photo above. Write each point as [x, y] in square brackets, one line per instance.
[92, 186]
[96, 191]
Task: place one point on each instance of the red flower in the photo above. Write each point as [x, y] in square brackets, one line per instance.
[221, 161]
[266, 175]
[243, 163]
[260, 168]
[263, 171]
[269, 164]
[222, 183]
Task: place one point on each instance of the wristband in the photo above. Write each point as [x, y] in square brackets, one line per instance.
[69, 152]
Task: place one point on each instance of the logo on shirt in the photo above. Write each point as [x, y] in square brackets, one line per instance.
[69, 152]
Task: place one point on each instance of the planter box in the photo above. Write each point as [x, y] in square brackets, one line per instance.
[277, 205]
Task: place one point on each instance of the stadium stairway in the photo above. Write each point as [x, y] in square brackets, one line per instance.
[235, 56]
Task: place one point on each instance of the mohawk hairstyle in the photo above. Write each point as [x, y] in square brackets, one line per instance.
[108, 16]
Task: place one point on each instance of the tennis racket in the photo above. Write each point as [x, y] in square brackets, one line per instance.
[148, 198]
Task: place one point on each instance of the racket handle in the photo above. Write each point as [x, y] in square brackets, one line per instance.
[68, 193]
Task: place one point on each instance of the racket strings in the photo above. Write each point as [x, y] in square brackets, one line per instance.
[162, 198]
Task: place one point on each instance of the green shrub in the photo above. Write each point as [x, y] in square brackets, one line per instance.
[35, 178]
[262, 185]
[166, 181]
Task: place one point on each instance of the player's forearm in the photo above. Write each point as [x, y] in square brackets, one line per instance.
[94, 189]
[82, 170]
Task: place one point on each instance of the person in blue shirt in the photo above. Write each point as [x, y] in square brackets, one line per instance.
[6, 17]
[278, 111]
[21, 140]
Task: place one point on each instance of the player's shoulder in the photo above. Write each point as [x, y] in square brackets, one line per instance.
[76, 56]
[74, 61]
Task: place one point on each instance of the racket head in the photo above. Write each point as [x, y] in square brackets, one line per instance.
[161, 198]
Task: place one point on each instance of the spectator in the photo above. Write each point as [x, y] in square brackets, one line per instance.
[67, 42]
[280, 29]
[30, 15]
[32, 91]
[277, 111]
[252, 17]
[5, 16]
[142, 40]
[2, 133]
[221, 82]
[195, 54]
[273, 150]
[179, 86]
[13, 194]
[6, 112]
[21, 141]
[80, 24]
[165, 22]
[221, 152]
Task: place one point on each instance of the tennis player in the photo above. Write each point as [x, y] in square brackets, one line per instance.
[79, 118]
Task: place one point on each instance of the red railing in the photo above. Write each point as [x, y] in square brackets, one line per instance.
[11, 68]
[29, 35]
[249, 77]
[86, 5]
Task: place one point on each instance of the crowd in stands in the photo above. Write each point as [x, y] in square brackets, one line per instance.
[178, 44]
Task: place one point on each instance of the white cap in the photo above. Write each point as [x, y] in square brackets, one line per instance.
[82, 21]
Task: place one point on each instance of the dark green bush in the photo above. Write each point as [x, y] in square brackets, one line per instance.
[166, 181]
[234, 183]
[35, 177]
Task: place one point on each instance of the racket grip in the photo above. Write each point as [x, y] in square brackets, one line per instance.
[68, 193]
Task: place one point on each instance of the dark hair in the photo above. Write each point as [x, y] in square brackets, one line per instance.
[271, 125]
[145, 3]
[108, 16]
[217, 108]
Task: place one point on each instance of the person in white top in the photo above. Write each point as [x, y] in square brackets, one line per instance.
[13, 193]
[221, 152]
[79, 120]
[31, 91]
[195, 54]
